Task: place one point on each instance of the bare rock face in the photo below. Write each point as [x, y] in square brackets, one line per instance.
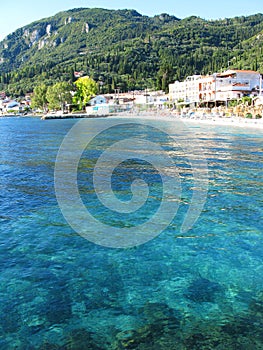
[87, 28]
[69, 20]
[42, 43]
[26, 33]
[31, 38]
[34, 37]
[49, 29]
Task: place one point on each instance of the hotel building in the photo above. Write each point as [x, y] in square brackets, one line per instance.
[216, 88]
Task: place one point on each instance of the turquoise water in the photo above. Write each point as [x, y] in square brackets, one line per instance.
[199, 290]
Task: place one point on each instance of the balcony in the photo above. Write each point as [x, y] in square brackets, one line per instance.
[233, 85]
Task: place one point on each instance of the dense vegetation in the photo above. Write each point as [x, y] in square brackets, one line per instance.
[123, 49]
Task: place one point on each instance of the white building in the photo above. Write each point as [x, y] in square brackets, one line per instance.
[229, 85]
[186, 91]
[234, 84]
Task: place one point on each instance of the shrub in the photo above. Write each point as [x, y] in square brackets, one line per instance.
[249, 115]
[258, 116]
[233, 103]
[12, 111]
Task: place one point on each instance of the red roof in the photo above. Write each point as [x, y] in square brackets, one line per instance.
[234, 71]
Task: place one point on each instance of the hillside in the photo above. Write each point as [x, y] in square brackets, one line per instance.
[125, 49]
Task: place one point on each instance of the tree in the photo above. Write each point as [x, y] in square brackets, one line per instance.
[59, 95]
[39, 99]
[86, 88]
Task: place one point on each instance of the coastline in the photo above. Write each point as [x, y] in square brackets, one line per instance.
[235, 121]
[72, 116]
[207, 120]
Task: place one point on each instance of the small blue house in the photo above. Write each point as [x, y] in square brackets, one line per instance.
[12, 104]
[97, 100]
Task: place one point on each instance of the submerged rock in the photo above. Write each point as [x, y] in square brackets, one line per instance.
[203, 290]
[160, 332]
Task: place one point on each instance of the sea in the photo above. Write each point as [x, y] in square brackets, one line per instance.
[137, 275]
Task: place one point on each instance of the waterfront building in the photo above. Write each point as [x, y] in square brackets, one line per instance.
[187, 91]
[234, 84]
[207, 89]
[216, 88]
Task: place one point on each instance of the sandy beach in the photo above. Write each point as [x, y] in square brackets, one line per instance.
[204, 120]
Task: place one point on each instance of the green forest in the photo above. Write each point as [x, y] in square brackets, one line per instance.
[125, 50]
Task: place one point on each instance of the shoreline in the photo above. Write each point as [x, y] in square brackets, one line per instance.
[72, 116]
[208, 120]
[235, 122]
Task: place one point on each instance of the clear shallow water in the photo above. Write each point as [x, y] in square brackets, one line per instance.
[199, 290]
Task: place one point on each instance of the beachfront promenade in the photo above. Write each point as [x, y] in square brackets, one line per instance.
[242, 116]
[215, 116]
[198, 116]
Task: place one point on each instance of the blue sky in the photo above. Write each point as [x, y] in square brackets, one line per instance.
[17, 13]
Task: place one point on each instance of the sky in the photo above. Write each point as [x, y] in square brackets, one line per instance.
[15, 14]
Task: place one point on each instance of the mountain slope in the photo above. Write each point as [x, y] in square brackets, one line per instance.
[125, 49]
